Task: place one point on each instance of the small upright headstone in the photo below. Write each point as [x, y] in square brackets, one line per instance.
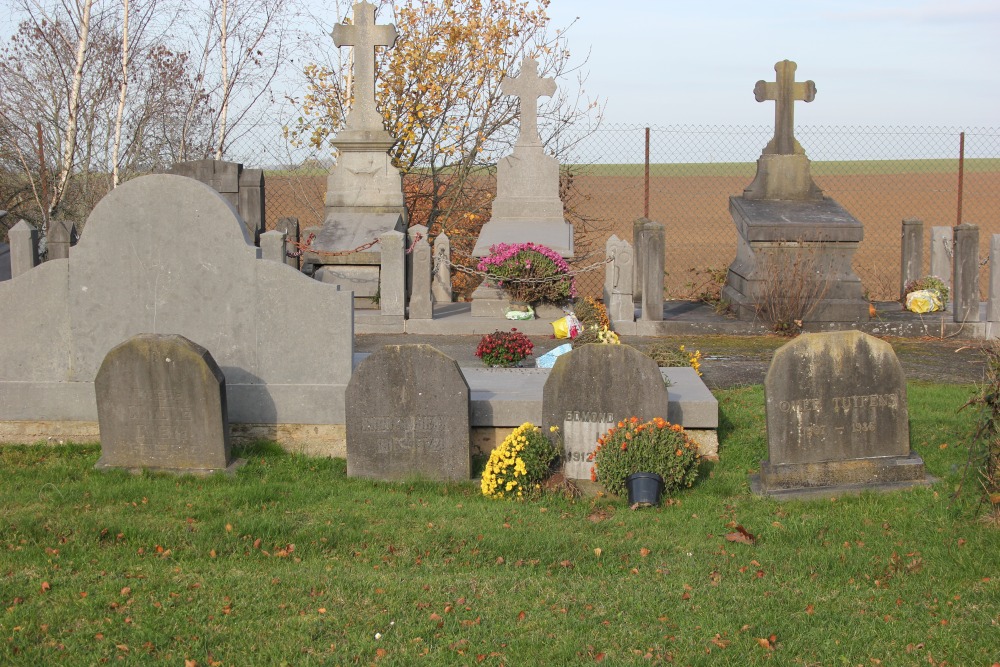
[62, 235]
[965, 275]
[408, 416]
[836, 418]
[290, 227]
[441, 280]
[993, 301]
[941, 253]
[161, 405]
[912, 253]
[420, 306]
[618, 280]
[23, 248]
[594, 387]
[653, 248]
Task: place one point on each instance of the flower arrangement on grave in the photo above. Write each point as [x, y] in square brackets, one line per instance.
[519, 464]
[504, 348]
[925, 295]
[655, 446]
[529, 272]
[596, 325]
[667, 357]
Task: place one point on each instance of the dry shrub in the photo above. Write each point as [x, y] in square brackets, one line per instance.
[795, 282]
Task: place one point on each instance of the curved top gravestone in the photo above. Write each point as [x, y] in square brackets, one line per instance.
[593, 387]
[167, 254]
[408, 416]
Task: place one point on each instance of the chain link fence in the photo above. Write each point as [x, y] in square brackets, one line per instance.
[881, 175]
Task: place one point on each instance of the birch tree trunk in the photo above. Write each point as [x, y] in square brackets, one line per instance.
[122, 93]
[226, 87]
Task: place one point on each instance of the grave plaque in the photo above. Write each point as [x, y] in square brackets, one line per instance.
[592, 388]
[161, 404]
[408, 416]
[836, 416]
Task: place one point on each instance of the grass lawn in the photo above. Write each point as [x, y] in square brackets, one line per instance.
[290, 562]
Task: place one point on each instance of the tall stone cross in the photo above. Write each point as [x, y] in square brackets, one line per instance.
[528, 87]
[784, 91]
[364, 36]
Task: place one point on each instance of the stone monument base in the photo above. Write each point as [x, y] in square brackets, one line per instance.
[827, 478]
[197, 472]
[795, 250]
[552, 233]
[488, 301]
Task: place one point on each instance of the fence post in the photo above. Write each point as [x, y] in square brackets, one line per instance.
[645, 206]
[961, 174]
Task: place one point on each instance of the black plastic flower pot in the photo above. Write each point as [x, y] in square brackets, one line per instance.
[644, 488]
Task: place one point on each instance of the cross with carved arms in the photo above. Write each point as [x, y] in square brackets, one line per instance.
[364, 36]
[784, 91]
[528, 87]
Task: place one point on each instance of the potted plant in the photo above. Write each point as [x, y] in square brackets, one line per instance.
[925, 295]
[529, 273]
[641, 452]
[519, 464]
[504, 348]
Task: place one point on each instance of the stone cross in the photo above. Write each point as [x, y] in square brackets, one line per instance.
[364, 36]
[784, 91]
[528, 87]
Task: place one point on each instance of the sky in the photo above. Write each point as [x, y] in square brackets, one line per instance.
[896, 63]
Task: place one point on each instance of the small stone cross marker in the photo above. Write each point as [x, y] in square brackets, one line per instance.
[784, 91]
[364, 36]
[528, 87]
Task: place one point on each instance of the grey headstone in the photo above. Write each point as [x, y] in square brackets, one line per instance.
[5, 269]
[591, 388]
[837, 416]
[941, 240]
[441, 286]
[392, 277]
[408, 416]
[273, 246]
[618, 280]
[653, 249]
[161, 404]
[23, 248]
[420, 305]
[60, 238]
[993, 305]
[912, 253]
[242, 188]
[250, 202]
[638, 238]
[965, 280]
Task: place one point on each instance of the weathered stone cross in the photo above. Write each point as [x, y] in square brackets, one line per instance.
[364, 36]
[528, 87]
[784, 91]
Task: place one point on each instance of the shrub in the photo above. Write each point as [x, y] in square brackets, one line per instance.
[521, 462]
[668, 357]
[504, 348]
[655, 446]
[529, 272]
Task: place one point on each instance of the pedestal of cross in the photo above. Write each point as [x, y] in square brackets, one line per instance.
[364, 191]
[783, 169]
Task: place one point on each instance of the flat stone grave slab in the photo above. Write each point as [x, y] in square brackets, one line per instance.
[161, 405]
[408, 416]
[837, 418]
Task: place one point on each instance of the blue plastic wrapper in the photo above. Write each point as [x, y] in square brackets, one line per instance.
[548, 360]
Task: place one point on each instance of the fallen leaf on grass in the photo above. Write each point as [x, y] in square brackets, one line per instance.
[719, 641]
[46, 586]
[742, 535]
[810, 610]
[598, 552]
[765, 643]
[521, 616]
[644, 552]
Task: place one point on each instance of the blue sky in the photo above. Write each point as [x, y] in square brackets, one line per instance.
[874, 63]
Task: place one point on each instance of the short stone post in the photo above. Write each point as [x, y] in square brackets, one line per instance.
[412, 234]
[654, 246]
[441, 288]
[941, 254]
[23, 248]
[392, 274]
[273, 246]
[638, 228]
[618, 280]
[59, 239]
[993, 304]
[912, 253]
[965, 278]
[290, 226]
[421, 306]
[251, 201]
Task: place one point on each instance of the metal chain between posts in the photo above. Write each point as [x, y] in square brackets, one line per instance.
[303, 247]
[526, 281]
